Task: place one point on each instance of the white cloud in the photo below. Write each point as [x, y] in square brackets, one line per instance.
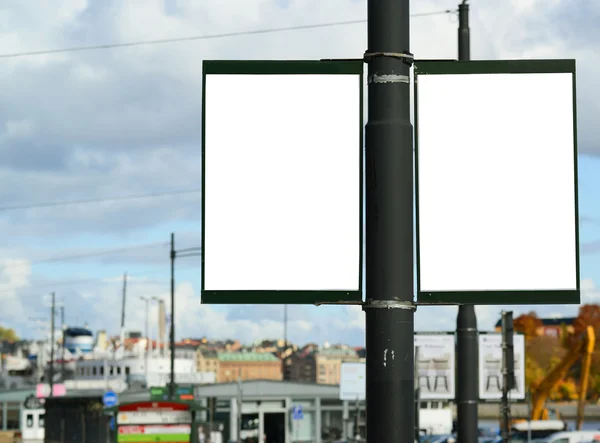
[127, 121]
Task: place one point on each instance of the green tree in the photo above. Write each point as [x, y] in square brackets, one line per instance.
[8, 334]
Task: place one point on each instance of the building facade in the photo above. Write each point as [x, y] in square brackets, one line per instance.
[248, 366]
[207, 360]
[329, 364]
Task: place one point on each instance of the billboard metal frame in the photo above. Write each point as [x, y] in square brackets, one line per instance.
[294, 67]
[518, 297]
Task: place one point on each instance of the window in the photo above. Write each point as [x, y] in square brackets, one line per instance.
[101, 370]
[112, 370]
[118, 370]
[94, 369]
[29, 421]
[42, 420]
[126, 370]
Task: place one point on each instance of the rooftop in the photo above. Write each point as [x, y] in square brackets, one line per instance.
[246, 356]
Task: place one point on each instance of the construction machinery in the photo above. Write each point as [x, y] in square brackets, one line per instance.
[582, 349]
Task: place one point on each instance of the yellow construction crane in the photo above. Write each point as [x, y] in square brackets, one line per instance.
[583, 350]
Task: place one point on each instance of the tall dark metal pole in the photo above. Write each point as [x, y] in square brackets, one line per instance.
[172, 324]
[285, 326]
[389, 226]
[52, 315]
[467, 355]
[62, 347]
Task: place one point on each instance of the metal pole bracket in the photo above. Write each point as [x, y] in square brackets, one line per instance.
[389, 304]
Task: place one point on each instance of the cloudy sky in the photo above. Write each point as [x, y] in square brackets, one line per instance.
[105, 124]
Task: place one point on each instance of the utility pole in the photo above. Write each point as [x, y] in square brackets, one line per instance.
[62, 347]
[124, 296]
[467, 353]
[389, 302]
[417, 398]
[239, 410]
[52, 314]
[147, 301]
[508, 371]
[285, 325]
[172, 325]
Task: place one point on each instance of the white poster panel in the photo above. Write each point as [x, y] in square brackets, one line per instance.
[490, 367]
[282, 182]
[496, 186]
[435, 370]
[353, 381]
[435, 366]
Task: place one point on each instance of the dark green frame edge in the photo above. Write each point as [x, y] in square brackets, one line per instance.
[441, 67]
[292, 67]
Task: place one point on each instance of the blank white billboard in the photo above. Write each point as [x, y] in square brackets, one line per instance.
[490, 367]
[353, 381]
[282, 183]
[496, 184]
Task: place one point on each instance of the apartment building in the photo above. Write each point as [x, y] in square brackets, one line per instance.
[207, 360]
[328, 363]
[248, 366]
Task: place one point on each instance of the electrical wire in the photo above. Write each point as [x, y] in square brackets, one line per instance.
[97, 200]
[82, 256]
[104, 280]
[203, 37]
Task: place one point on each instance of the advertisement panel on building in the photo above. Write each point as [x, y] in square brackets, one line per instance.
[435, 366]
[146, 422]
[435, 369]
[490, 367]
[155, 433]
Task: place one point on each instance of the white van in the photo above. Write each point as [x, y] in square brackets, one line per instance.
[573, 437]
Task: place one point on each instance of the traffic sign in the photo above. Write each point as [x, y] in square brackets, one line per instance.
[297, 413]
[110, 399]
[287, 153]
[496, 180]
[159, 393]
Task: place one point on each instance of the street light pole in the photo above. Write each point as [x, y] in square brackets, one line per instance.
[389, 302]
[172, 324]
[52, 315]
[467, 353]
[146, 300]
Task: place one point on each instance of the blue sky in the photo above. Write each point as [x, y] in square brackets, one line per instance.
[115, 122]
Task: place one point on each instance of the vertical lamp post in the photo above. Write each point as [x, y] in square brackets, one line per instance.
[467, 368]
[189, 252]
[146, 301]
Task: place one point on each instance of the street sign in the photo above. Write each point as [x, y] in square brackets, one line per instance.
[297, 413]
[110, 399]
[282, 208]
[159, 393]
[496, 179]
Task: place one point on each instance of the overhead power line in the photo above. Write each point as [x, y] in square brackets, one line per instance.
[96, 200]
[104, 252]
[203, 37]
[97, 280]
